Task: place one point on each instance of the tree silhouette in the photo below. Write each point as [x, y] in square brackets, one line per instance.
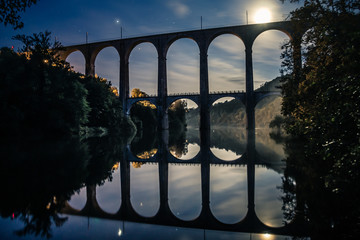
[41, 95]
[321, 103]
[10, 9]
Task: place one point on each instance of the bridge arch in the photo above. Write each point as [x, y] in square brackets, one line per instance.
[146, 201]
[177, 37]
[213, 36]
[228, 201]
[143, 67]
[268, 206]
[77, 61]
[183, 66]
[226, 63]
[132, 44]
[282, 29]
[213, 98]
[173, 98]
[108, 195]
[69, 50]
[78, 200]
[107, 65]
[266, 57]
[100, 47]
[184, 194]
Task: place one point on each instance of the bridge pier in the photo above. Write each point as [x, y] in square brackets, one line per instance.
[164, 208]
[124, 77]
[250, 150]
[249, 84]
[205, 174]
[204, 88]
[162, 89]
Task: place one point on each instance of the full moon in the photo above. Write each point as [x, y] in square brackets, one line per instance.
[262, 16]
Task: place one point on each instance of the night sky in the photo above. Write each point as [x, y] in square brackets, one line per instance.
[70, 20]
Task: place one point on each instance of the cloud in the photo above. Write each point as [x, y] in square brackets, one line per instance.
[229, 44]
[180, 9]
[226, 74]
[236, 79]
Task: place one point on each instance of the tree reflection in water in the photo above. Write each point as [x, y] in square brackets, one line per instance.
[332, 213]
[40, 176]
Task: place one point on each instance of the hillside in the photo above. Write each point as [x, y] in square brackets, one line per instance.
[272, 86]
[232, 113]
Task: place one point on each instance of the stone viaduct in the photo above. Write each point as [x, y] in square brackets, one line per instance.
[203, 38]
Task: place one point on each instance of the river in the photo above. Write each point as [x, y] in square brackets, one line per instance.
[228, 186]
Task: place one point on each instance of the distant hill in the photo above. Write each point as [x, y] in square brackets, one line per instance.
[233, 113]
[272, 86]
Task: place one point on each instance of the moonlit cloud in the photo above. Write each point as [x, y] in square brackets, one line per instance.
[180, 9]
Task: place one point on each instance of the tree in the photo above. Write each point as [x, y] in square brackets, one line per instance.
[40, 94]
[143, 113]
[38, 98]
[40, 47]
[106, 110]
[321, 101]
[137, 93]
[10, 9]
[177, 111]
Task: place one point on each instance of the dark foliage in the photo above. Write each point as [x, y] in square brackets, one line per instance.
[10, 10]
[321, 103]
[105, 108]
[38, 98]
[41, 95]
[38, 178]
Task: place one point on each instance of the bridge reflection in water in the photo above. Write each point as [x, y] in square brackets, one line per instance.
[206, 219]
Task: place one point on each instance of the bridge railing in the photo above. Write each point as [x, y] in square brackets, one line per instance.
[192, 94]
[147, 96]
[184, 94]
[226, 92]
